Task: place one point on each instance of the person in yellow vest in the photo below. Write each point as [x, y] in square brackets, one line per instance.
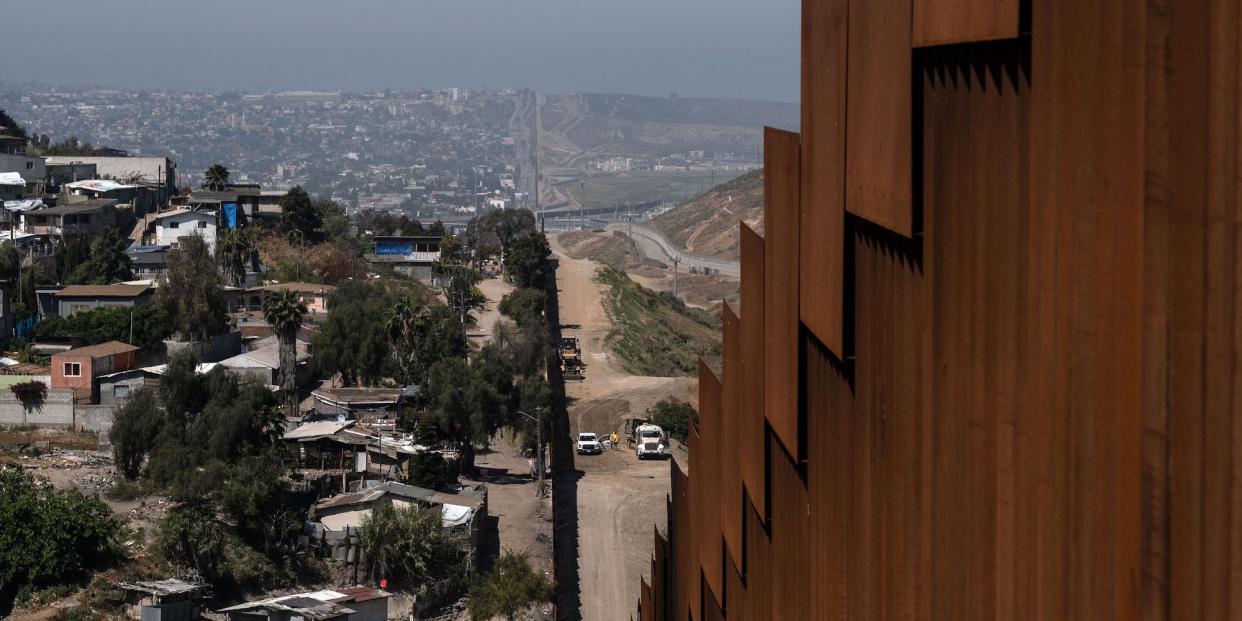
[614, 439]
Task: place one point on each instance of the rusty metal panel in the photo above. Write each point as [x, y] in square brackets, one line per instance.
[684, 556]
[731, 494]
[752, 444]
[821, 232]
[829, 406]
[659, 576]
[646, 607]
[1087, 120]
[791, 541]
[939, 22]
[878, 153]
[780, 222]
[693, 565]
[707, 481]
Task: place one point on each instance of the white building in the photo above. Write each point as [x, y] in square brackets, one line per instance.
[171, 226]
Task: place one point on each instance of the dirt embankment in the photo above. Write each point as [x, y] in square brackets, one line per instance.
[708, 223]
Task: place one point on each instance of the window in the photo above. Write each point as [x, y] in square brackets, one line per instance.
[120, 391]
[173, 225]
[29, 165]
[202, 225]
[73, 369]
[78, 308]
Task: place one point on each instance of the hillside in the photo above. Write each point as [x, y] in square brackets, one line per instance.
[653, 332]
[707, 224]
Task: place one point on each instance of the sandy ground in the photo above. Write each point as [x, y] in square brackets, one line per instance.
[620, 499]
[494, 289]
[522, 519]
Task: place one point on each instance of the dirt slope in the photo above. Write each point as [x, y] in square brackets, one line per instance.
[708, 223]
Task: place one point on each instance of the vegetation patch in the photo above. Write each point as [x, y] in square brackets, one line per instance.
[653, 332]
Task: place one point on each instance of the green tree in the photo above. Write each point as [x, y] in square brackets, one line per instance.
[335, 221]
[673, 416]
[525, 306]
[354, 340]
[69, 252]
[407, 319]
[527, 262]
[48, 537]
[411, 549]
[428, 469]
[232, 253]
[511, 587]
[135, 426]
[191, 292]
[284, 311]
[298, 213]
[10, 263]
[216, 178]
[10, 126]
[146, 326]
[108, 262]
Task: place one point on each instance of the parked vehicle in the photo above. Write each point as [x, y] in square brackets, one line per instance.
[650, 441]
[588, 443]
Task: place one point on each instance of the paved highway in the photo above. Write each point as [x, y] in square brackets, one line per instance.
[655, 245]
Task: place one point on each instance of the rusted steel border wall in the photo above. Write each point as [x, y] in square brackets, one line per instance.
[988, 361]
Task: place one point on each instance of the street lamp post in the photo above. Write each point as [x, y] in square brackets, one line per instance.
[538, 446]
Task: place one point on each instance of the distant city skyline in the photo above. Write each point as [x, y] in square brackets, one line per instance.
[696, 48]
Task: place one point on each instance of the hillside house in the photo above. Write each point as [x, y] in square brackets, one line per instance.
[263, 364]
[164, 600]
[12, 186]
[86, 218]
[412, 255]
[79, 368]
[137, 196]
[77, 298]
[171, 226]
[314, 296]
[157, 173]
[357, 603]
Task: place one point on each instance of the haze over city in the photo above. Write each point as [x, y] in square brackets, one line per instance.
[705, 48]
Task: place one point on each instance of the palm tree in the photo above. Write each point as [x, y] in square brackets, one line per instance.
[284, 310]
[232, 250]
[216, 179]
[404, 325]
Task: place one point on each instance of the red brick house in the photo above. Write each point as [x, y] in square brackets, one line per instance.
[78, 368]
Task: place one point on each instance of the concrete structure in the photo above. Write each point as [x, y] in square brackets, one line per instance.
[164, 600]
[12, 186]
[171, 226]
[263, 364]
[77, 298]
[158, 172]
[148, 262]
[355, 402]
[413, 255]
[357, 603]
[33, 170]
[137, 196]
[78, 368]
[86, 218]
[314, 296]
[60, 174]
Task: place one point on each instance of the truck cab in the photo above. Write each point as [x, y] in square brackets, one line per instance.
[650, 441]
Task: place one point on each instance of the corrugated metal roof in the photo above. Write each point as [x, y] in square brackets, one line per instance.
[99, 185]
[111, 348]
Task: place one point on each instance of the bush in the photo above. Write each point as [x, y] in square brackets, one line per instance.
[411, 548]
[511, 588]
[673, 416]
[427, 469]
[524, 305]
[50, 537]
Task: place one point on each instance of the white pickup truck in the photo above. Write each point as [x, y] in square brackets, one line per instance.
[650, 441]
[589, 443]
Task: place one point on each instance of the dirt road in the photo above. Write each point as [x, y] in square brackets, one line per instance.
[620, 498]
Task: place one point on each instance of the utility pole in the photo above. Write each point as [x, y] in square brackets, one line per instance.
[538, 418]
[581, 203]
[676, 260]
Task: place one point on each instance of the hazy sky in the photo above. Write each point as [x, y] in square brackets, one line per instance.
[731, 48]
